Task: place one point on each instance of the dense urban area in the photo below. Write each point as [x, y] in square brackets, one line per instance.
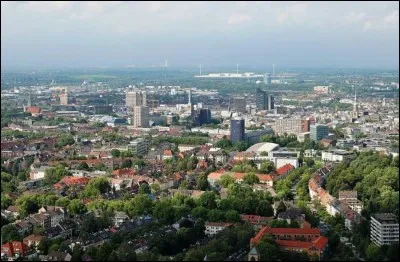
[166, 164]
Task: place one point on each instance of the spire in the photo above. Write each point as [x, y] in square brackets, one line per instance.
[190, 96]
[355, 100]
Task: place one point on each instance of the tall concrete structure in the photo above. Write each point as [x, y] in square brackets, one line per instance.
[271, 102]
[30, 99]
[140, 116]
[237, 129]
[384, 229]
[317, 132]
[239, 104]
[355, 108]
[261, 99]
[64, 97]
[135, 98]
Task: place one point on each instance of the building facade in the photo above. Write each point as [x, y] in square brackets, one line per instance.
[237, 129]
[288, 125]
[317, 132]
[135, 98]
[139, 147]
[239, 104]
[141, 116]
[384, 229]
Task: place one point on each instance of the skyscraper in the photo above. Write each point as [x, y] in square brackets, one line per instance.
[317, 132]
[270, 102]
[135, 98]
[203, 116]
[140, 116]
[64, 97]
[237, 129]
[261, 99]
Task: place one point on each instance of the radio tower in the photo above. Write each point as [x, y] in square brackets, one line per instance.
[237, 68]
[200, 69]
[273, 70]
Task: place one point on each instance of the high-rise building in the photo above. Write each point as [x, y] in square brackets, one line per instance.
[239, 104]
[271, 102]
[317, 132]
[288, 125]
[140, 116]
[64, 97]
[153, 103]
[203, 116]
[237, 129]
[384, 229]
[268, 79]
[135, 98]
[305, 125]
[139, 146]
[261, 99]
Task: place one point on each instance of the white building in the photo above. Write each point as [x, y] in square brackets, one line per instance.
[384, 229]
[212, 228]
[335, 155]
[141, 116]
[139, 146]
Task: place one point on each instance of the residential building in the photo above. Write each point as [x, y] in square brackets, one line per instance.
[14, 249]
[317, 132]
[141, 116]
[64, 98]
[139, 147]
[237, 129]
[135, 98]
[212, 228]
[384, 229]
[32, 240]
[288, 125]
[120, 218]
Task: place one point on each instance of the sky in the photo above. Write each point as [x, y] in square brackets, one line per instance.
[251, 34]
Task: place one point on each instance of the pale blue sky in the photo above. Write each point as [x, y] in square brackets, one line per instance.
[289, 34]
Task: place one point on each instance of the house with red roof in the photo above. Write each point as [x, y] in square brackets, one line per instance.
[34, 110]
[14, 249]
[304, 239]
[69, 181]
[124, 172]
[167, 154]
[284, 170]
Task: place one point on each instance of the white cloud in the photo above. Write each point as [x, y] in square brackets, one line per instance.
[367, 26]
[238, 19]
[354, 17]
[293, 13]
[392, 19]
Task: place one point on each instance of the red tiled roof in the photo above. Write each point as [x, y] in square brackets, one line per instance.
[167, 152]
[33, 109]
[320, 242]
[262, 177]
[215, 175]
[124, 171]
[285, 231]
[12, 247]
[284, 169]
[71, 180]
[294, 244]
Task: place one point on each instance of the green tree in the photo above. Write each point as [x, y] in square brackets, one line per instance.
[115, 153]
[208, 200]
[127, 163]
[144, 189]
[226, 180]
[267, 167]
[76, 207]
[251, 179]
[164, 212]
[83, 166]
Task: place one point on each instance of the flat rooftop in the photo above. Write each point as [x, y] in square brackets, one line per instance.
[386, 218]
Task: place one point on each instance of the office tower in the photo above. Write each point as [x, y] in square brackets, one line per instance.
[305, 125]
[288, 125]
[317, 132]
[384, 229]
[135, 98]
[239, 104]
[270, 105]
[237, 129]
[204, 116]
[64, 97]
[140, 116]
[261, 99]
